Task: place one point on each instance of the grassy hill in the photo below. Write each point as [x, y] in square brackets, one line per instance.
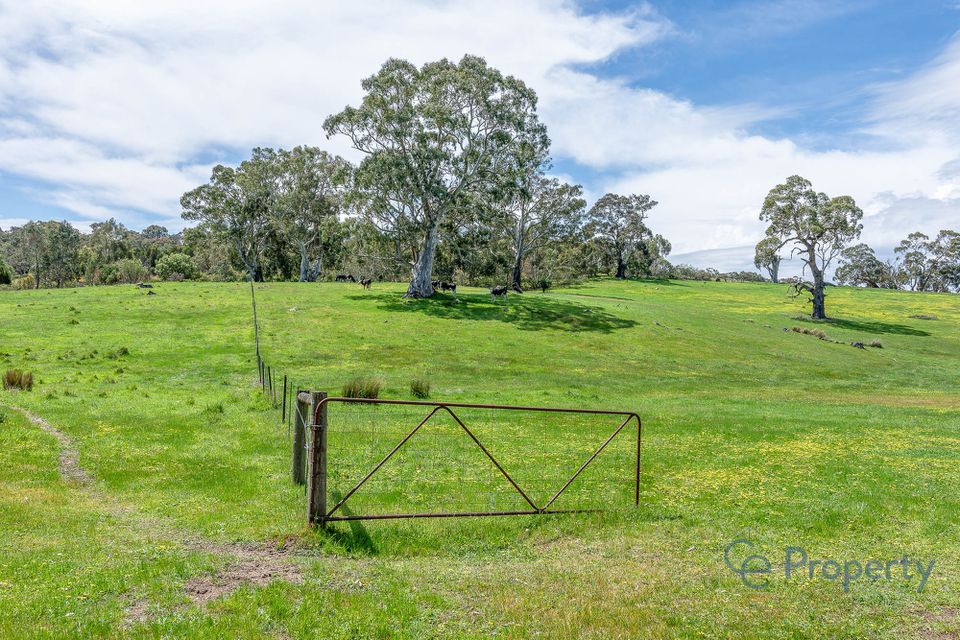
[751, 430]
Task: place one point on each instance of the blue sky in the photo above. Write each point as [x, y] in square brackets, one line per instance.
[116, 109]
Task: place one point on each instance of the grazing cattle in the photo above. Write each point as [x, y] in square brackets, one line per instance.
[345, 277]
[497, 292]
[435, 284]
[365, 283]
[448, 286]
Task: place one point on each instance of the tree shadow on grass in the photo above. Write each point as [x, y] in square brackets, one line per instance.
[592, 282]
[530, 312]
[871, 326]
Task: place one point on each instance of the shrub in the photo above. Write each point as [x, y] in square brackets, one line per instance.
[543, 284]
[420, 388]
[26, 282]
[17, 379]
[130, 270]
[172, 265]
[819, 333]
[107, 274]
[876, 344]
[362, 387]
[6, 273]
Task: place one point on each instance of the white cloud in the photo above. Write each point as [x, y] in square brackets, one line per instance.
[108, 101]
[120, 107]
[716, 175]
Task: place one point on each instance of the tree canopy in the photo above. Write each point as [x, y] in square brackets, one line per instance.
[814, 225]
[617, 221]
[437, 140]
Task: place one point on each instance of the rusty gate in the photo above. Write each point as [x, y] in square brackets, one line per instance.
[320, 513]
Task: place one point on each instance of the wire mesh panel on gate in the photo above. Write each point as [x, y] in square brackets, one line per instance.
[399, 458]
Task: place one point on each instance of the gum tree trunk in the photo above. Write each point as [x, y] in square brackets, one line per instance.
[819, 297]
[420, 286]
[304, 265]
[621, 268]
[517, 271]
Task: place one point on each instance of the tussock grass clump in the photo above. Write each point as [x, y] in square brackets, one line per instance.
[923, 316]
[17, 379]
[362, 387]
[876, 344]
[819, 333]
[420, 388]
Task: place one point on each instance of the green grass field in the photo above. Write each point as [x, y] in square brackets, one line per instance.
[750, 431]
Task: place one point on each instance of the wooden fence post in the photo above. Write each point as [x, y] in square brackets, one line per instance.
[317, 486]
[283, 415]
[301, 418]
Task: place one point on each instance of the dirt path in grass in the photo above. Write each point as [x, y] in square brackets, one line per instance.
[247, 563]
[69, 463]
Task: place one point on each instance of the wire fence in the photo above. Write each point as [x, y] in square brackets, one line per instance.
[471, 460]
[441, 468]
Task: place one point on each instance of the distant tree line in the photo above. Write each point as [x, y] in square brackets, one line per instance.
[820, 229]
[453, 184]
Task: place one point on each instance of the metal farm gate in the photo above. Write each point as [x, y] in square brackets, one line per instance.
[312, 439]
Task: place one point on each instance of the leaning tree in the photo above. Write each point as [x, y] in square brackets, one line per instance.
[816, 226]
[435, 139]
[618, 223]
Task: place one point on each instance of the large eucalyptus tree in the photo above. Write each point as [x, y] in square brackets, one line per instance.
[311, 187]
[237, 203]
[544, 209]
[618, 223]
[816, 226]
[435, 139]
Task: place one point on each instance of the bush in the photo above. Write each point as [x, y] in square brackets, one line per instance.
[420, 388]
[361, 387]
[26, 282]
[176, 264]
[811, 332]
[17, 379]
[6, 273]
[130, 270]
[107, 274]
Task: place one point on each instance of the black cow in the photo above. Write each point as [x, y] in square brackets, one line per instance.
[448, 286]
[496, 292]
[365, 283]
[345, 277]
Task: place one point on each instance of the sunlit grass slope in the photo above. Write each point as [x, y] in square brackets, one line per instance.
[750, 430]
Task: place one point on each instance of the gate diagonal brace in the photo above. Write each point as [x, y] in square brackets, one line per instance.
[436, 407]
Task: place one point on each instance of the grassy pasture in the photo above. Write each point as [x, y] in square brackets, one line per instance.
[749, 431]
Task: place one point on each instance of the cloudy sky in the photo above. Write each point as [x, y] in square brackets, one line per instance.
[117, 108]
